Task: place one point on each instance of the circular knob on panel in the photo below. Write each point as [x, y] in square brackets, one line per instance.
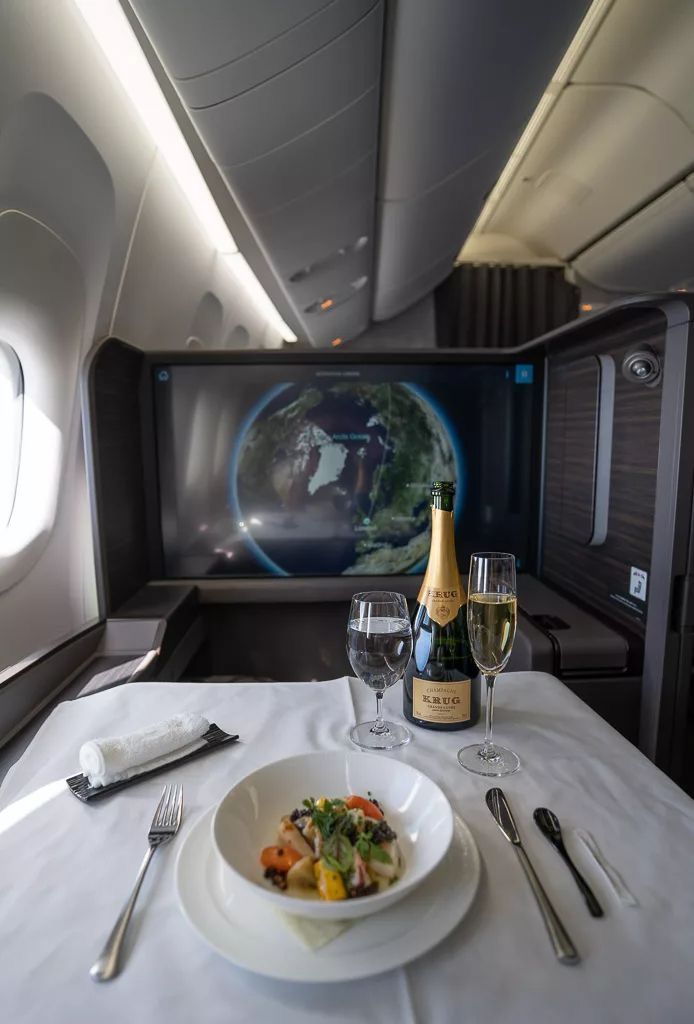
[642, 366]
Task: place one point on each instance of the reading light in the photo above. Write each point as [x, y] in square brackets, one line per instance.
[112, 31]
[335, 342]
[586, 307]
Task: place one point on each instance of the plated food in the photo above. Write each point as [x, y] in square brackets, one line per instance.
[249, 816]
[336, 848]
[239, 920]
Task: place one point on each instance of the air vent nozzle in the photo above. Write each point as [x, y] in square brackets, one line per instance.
[642, 366]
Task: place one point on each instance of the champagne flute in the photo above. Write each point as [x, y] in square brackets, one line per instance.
[379, 646]
[491, 616]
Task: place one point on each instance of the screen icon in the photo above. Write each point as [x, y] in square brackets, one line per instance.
[524, 373]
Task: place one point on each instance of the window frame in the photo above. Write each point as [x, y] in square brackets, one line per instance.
[12, 425]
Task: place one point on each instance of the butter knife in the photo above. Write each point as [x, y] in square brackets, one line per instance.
[564, 948]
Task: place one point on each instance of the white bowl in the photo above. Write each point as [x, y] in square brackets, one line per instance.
[247, 819]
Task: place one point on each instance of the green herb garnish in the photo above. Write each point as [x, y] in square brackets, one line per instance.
[362, 846]
[339, 849]
[326, 819]
[368, 850]
[380, 855]
[332, 821]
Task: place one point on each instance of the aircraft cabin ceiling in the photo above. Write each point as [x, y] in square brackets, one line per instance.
[604, 178]
[358, 138]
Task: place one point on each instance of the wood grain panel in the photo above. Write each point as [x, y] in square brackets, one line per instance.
[573, 392]
[593, 574]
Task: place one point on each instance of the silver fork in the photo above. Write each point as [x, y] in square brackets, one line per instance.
[165, 822]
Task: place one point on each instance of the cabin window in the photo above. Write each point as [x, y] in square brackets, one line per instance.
[11, 408]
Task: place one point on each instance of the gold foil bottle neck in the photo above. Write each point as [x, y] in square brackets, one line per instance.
[442, 592]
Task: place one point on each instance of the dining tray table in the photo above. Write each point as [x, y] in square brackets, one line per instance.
[67, 870]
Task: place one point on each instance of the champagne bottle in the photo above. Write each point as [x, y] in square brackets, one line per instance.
[441, 686]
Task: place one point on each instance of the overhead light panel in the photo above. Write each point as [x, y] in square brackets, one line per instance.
[113, 33]
[119, 44]
[258, 296]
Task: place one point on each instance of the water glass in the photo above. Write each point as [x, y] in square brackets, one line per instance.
[379, 647]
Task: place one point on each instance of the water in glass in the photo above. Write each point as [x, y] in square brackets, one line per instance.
[379, 650]
[379, 646]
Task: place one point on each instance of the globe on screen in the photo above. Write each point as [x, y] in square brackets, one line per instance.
[335, 478]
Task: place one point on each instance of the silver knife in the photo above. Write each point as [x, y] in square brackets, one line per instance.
[564, 948]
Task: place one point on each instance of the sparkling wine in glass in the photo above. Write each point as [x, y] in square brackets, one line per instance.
[491, 616]
[379, 646]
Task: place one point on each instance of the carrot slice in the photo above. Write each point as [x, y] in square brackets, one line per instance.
[281, 858]
[361, 803]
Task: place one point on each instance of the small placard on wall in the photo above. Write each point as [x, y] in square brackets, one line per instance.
[638, 583]
[634, 600]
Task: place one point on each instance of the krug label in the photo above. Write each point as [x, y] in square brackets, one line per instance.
[442, 605]
[441, 702]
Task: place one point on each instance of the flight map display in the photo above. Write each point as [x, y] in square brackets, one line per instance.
[302, 470]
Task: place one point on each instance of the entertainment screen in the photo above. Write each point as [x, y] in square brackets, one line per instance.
[305, 469]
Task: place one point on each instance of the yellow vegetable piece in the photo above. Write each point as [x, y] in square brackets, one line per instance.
[330, 884]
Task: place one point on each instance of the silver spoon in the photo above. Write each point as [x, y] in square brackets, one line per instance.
[548, 824]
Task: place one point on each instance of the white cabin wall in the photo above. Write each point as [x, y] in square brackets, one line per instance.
[171, 269]
[75, 157]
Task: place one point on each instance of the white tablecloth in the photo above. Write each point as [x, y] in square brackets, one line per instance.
[66, 869]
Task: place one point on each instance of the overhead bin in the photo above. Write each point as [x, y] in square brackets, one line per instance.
[653, 249]
[603, 150]
[227, 48]
[286, 100]
[613, 141]
[419, 238]
[460, 83]
[313, 227]
[308, 162]
[194, 46]
[278, 110]
[624, 52]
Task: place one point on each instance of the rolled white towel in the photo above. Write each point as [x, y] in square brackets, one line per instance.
[114, 758]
